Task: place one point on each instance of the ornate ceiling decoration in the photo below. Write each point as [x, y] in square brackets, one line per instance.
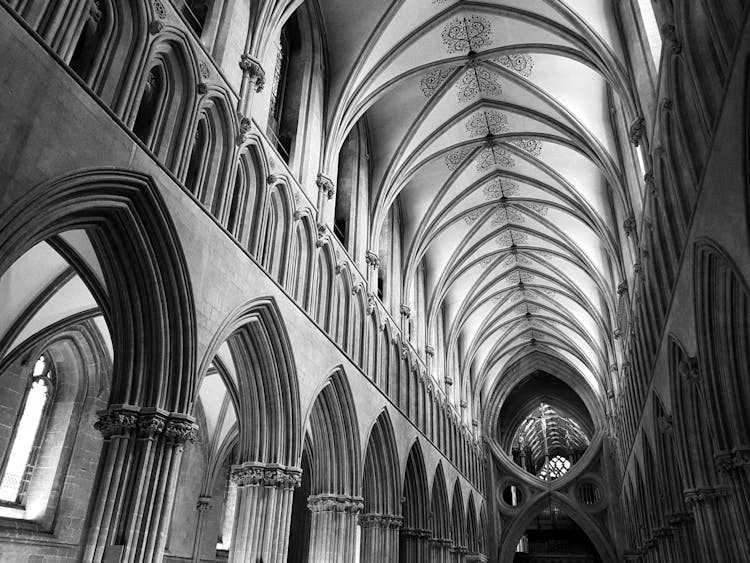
[503, 158]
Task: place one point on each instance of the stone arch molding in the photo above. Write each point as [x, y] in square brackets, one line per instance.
[593, 529]
[151, 313]
[268, 393]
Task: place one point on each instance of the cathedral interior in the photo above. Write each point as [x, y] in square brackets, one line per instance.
[374, 281]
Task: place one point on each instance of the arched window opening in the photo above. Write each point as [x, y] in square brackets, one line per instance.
[195, 13]
[18, 467]
[651, 30]
[84, 54]
[228, 511]
[149, 108]
[285, 97]
[554, 468]
[238, 202]
[196, 166]
[352, 188]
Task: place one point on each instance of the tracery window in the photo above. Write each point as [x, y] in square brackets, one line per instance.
[554, 468]
[18, 466]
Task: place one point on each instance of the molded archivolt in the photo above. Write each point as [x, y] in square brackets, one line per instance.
[334, 439]
[416, 491]
[440, 514]
[381, 479]
[267, 394]
[150, 306]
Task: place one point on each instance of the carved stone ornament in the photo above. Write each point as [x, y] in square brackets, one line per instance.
[267, 475]
[637, 129]
[116, 422]
[429, 350]
[617, 333]
[622, 288]
[664, 423]
[417, 533]
[151, 425]
[371, 303]
[202, 88]
[203, 70]
[736, 459]
[322, 231]
[669, 34]
[245, 125]
[448, 380]
[629, 225]
[271, 179]
[688, 369]
[335, 503]
[463, 404]
[252, 68]
[704, 495]
[180, 431]
[648, 179]
[372, 260]
[405, 311]
[155, 27]
[377, 520]
[325, 184]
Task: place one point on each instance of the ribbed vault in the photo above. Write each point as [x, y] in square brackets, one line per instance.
[489, 127]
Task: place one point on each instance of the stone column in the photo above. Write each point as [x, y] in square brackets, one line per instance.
[415, 544]
[202, 506]
[333, 530]
[736, 466]
[714, 523]
[379, 543]
[141, 461]
[253, 80]
[458, 554]
[440, 550]
[264, 509]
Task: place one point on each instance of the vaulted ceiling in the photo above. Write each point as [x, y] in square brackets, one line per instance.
[490, 126]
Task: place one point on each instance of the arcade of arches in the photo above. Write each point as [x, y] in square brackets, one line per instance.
[374, 281]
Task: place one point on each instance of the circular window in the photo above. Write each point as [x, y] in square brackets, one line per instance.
[589, 493]
[512, 495]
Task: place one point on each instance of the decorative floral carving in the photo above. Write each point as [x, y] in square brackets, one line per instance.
[325, 184]
[376, 520]
[521, 63]
[202, 88]
[487, 122]
[511, 237]
[494, 155]
[500, 187]
[466, 34]
[477, 80]
[180, 431]
[155, 27]
[472, 216]
[256, 474]
[116, 422]
[637, 129]
[536, 207]
[372, 260]
[252, 68]
[519, 277]
[507, 214]
[335, 503]
[454, 159]
[531, 146]
[431, 81]
[245, 125]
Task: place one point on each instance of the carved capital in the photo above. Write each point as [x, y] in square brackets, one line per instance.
[636, 130]
[335, 503]
[268, 475]
[372, 260]
[150, 425]
[405, 311]
[429, 350]
[116, 422]
[180, 431]
[617, 333]
[704, 495]
[377, 520]
[448, 380]
[417, 533]
[463, 404]
[253, 70]
[322, 231]
[325, 185]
